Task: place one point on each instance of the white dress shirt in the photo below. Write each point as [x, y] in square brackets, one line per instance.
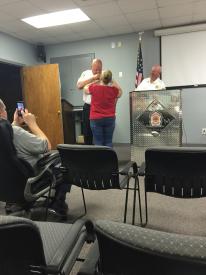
[84, 76]
[146, 85]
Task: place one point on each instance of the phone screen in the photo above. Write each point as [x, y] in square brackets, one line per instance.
[20, 107]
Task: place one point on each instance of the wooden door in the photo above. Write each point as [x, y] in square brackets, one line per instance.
[41, 93]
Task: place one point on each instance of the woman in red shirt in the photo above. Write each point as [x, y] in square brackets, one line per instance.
[103, 104]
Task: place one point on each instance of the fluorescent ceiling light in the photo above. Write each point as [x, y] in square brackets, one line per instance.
[56, 18]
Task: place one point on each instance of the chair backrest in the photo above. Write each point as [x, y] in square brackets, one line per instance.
[13, 171]
[90, 167]
[21, 246]
[129, 250]
[176, 171]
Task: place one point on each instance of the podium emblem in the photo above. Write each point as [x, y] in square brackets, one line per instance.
[155, 117]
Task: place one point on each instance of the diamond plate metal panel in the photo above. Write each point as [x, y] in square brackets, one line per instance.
[155, 120]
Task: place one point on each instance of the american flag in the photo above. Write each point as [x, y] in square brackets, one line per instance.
[139, 73]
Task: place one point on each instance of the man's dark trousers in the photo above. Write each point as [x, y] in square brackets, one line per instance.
[88, 137]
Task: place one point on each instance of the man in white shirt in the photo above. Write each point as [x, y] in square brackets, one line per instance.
[153, 82]
[87, 77]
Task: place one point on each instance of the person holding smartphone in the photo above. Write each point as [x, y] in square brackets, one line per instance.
[31, 146]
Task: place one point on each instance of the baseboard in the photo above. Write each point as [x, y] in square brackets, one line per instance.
[193, 145]
[122, 144]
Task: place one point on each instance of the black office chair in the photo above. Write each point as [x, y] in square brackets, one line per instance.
[45, 248]
[19, 182]
[96, 168]
[124, 249]
[175, 171]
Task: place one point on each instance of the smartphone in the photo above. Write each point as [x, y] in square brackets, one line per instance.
[20, 107]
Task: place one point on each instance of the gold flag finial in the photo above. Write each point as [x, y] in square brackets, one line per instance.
[140, 35]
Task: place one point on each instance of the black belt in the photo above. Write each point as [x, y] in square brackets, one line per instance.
[86, 105]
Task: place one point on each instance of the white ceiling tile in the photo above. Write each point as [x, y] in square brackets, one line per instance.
[199, 7]
[71, 36]
[53, 5]
[61, 30]
[164, 3]
[84, 3]
[21, 9]
[112, 21]
[108, 17]
[94, 34]
[176, 10]
[68, 39]
[5, 17]
[199, 17]
[5, 30]
[176, 21]
[142, 16]
[149, 25]
[3, 2]
[36, 33]
[120, 30]
[102, 10]
[85, 27]
[18, 25]
[136, 5]
[26, 39]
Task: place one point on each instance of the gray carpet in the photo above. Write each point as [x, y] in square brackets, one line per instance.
[185, 216]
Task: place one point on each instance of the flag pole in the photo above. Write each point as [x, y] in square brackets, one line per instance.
[139, 71]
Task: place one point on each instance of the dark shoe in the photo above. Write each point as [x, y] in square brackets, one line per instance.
[59, 208]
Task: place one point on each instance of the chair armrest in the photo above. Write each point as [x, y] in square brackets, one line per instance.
[129, 165]
[45, 173]
[47, 158]
[77, 229]
[141, 171]
[89, 266]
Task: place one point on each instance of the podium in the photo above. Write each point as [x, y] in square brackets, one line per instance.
[72, 122]
[155, 120]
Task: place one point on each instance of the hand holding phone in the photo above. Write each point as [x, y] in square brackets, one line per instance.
[20, 107]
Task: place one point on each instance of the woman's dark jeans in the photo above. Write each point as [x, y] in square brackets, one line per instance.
[103, 130]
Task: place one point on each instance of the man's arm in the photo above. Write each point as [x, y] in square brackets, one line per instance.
[30, 121]
[82, 81]
[86, 89]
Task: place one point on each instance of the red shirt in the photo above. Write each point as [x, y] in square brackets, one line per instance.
[103, 101]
